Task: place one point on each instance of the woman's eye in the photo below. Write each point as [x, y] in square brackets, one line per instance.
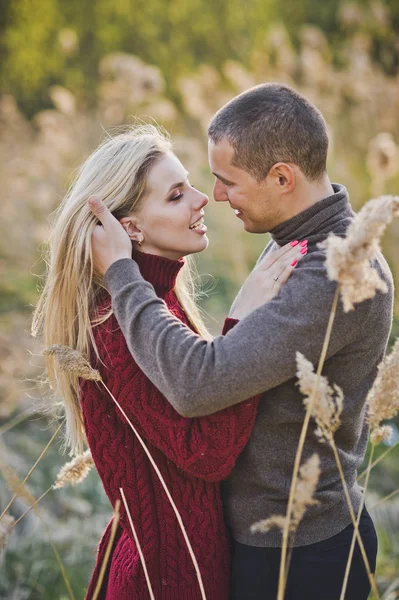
[177, 196]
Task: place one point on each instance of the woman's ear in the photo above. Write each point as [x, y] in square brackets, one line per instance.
[133, 231]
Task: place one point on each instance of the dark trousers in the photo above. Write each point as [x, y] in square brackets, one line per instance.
[316, 571]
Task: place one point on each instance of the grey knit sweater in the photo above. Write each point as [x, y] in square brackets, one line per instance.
[201, 377]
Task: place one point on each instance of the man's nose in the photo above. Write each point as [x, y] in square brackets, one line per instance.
[219, 192]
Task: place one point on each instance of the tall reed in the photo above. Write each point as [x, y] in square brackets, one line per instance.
[348, 262]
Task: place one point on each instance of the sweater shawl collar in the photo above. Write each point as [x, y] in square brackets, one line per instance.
[333, 213]
[161, 272]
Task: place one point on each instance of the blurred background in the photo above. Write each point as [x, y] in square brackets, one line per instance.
[69, 72]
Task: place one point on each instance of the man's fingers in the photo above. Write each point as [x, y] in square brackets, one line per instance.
[99, 209]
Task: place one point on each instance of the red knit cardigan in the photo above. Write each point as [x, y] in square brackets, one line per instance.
[193, 455]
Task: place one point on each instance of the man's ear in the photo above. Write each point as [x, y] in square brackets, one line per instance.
[283, 176]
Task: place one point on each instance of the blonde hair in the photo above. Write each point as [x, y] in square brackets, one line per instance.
[117, 172]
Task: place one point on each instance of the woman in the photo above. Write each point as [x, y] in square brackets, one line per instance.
[146, 188]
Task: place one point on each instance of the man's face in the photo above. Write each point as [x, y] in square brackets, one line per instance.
[256, 204]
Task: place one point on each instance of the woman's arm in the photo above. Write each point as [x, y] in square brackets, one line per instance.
[205, 447]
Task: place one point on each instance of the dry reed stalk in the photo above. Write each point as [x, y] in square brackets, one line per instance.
[74, 361]
[298, 455]
[377, 460]
[74, 471]
[155, 466]
[32, 506]
[356, 531]
[306, 484]
[34, 466]
[326, 410]
[382, 403]
[107, 550]
[385, 498]
[136, 539]
[19, 418]
[6, 526]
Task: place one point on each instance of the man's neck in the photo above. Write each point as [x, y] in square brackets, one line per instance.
[306, 194]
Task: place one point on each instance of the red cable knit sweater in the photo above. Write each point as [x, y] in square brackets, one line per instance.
[193, 455]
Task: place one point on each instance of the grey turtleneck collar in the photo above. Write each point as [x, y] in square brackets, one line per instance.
[314, 223]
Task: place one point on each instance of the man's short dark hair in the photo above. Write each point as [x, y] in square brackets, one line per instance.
[272, 123]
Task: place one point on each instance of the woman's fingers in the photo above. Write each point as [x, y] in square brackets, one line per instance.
[285, 275]
[289, 252]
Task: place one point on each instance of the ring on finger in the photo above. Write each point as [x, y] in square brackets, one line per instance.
[275, 277]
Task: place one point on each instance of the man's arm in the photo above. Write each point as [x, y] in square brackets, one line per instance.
[200, 377]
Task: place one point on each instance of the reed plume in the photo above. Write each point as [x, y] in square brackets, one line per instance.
[383, 398]
[305, 488]
[325, 408]
[348, 259]
[72, 361]
[16, 485]
[74, 471]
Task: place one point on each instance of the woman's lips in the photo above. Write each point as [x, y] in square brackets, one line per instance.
[201, 229]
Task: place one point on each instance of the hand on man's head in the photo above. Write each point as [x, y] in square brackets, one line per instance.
[109, 241]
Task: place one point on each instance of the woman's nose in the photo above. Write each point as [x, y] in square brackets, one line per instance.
[201, 201]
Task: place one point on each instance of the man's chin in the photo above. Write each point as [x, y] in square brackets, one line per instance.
[253, 228]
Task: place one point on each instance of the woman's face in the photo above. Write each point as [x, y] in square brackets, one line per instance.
[171, 216]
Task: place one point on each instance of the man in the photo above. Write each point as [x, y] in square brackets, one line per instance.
[268, 150]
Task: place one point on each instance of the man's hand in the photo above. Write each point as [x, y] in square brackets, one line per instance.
[109, 241]
[266, 279]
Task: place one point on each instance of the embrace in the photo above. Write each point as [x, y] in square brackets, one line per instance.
[221, 417]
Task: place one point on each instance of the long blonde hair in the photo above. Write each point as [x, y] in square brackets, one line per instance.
[117, 172]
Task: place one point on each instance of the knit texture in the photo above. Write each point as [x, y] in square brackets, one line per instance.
[193, 455]
[259, 355]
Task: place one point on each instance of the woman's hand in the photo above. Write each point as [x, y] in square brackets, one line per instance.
[266, 279]
[109, 241]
